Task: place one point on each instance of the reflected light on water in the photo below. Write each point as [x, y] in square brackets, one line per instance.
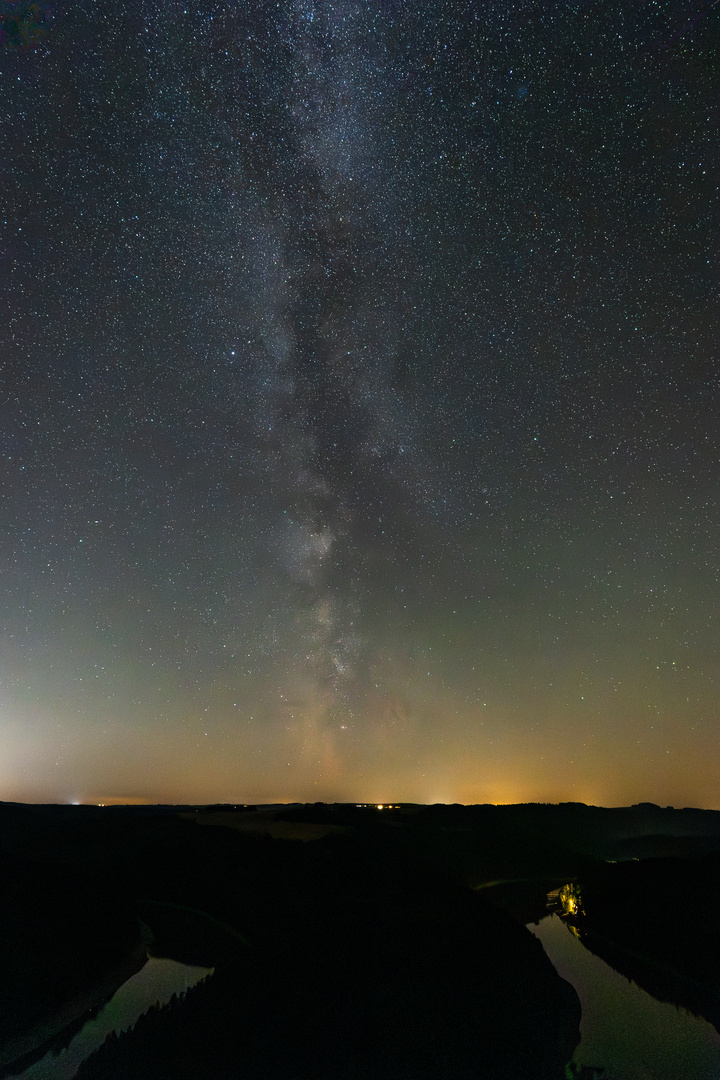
[623, 1029]
[155, 983]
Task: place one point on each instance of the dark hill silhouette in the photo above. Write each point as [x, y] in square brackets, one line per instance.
[375, 943]
[364, 966]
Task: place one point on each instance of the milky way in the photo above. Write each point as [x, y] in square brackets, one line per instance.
[359, 401]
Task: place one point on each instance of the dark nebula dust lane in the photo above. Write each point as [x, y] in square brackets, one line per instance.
[357, 401]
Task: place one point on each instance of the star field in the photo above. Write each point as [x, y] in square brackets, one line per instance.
[359, 396]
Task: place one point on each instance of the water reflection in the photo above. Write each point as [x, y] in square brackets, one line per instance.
[156, 982]
[623, 1028]
[639, 934]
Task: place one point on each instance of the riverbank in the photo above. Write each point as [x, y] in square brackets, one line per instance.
[20, 1051]
[623, 1029]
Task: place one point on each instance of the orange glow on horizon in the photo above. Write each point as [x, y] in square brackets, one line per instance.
[115, 800]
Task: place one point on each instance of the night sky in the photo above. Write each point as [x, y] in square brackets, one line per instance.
[359, 401]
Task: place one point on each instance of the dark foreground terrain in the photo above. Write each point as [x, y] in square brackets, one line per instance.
[347, 942]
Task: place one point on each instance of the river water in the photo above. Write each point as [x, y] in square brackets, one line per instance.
[623, 1028]
[155, 983]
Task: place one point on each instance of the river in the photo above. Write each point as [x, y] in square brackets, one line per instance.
[155, 983]
[623, 1029]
